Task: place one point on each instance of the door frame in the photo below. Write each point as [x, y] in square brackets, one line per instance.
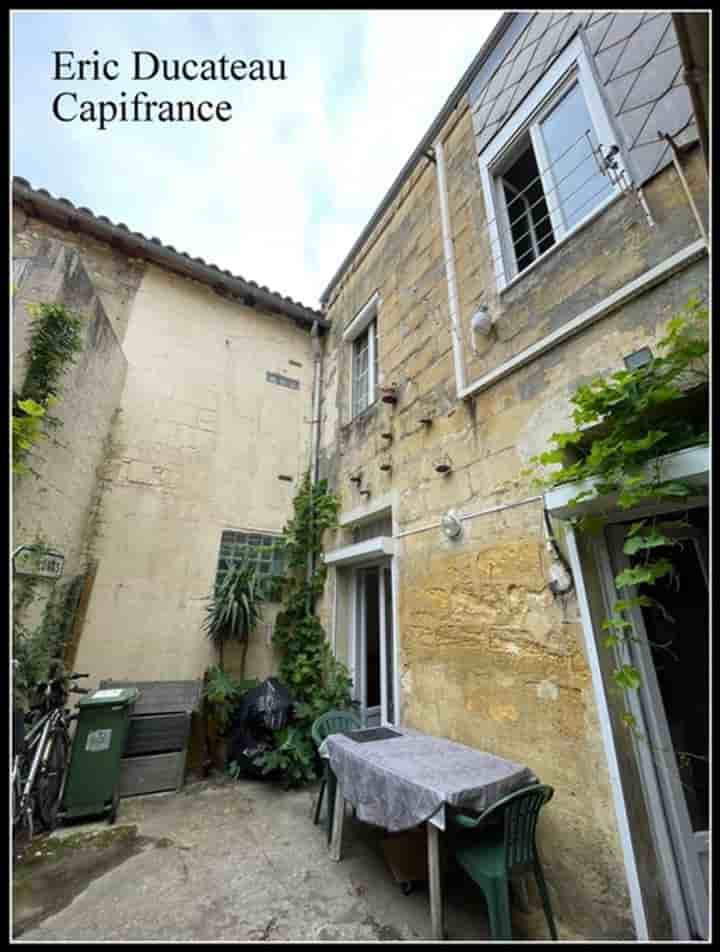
[687, 895]
[356, 653]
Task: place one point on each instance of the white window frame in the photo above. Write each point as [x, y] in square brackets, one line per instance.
[572, 65]
[362, 322]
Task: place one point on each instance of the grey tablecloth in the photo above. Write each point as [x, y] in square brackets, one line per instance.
[400, 782]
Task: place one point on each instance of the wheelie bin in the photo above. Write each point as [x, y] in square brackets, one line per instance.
[92, 784]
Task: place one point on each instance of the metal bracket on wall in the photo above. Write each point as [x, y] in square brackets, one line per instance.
[686, 188]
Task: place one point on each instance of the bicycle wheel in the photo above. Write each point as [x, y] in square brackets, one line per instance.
[23, 826]
[49, 782]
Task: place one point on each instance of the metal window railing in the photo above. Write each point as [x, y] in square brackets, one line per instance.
[504, 238]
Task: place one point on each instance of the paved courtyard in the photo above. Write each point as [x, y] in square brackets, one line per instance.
[227, 861]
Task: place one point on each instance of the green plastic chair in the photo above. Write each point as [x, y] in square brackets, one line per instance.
[331, 722]
[503, 848]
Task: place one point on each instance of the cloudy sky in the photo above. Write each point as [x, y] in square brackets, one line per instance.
[279, 193]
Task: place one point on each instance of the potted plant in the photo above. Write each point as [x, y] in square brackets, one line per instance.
[221, 695]
[233, 610]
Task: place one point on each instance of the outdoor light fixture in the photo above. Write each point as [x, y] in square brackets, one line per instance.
[451, 525]
[560, 579]
[638, 358]
[481, 322]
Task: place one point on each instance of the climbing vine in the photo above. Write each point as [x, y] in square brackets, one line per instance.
[624, 425]
[37, 650]
[317, 681]
[55, 340]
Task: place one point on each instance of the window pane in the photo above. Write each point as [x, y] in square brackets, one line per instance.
[578, 184]
[530, 227]
[264, 552]
[373, 331]
[360, 373]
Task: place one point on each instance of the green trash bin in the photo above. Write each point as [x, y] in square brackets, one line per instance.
[92, 785]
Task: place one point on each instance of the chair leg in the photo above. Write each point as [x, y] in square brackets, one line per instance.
[542, 887]
[497, 895]
[316, 818]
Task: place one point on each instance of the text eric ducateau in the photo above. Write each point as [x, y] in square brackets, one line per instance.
[69, 106]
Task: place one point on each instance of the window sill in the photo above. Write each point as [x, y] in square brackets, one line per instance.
[363, 414]
[588, 220]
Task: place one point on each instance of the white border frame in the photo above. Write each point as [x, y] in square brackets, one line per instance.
[572, 61]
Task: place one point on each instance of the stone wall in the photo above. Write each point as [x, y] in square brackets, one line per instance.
[200, 441]
[114, 276]
[487, 655]
[55, 501]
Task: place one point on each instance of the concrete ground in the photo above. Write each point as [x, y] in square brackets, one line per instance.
[228, 861]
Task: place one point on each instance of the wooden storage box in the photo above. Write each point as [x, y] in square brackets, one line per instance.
[152, 773]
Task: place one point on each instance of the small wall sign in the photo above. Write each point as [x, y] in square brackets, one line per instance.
[42, 563]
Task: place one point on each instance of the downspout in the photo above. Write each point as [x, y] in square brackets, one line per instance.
[449, 256]
[316, 344]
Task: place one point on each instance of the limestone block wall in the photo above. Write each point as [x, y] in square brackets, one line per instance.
[487, 655]
[56, 502]
[114, 276]
[199, 442]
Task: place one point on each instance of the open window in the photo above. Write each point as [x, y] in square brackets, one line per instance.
[545, 173]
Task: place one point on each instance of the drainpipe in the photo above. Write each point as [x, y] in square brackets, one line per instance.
[449, 255]
[316, 344]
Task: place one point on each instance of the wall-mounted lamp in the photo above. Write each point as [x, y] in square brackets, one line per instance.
[451, 525]
[638, 358]
[481, 322]
[560, 579]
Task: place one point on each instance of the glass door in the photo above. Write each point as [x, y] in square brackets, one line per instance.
[374, 644]
[671, 651]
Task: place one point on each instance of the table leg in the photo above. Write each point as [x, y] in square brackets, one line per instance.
[337, 822]
[436, 897]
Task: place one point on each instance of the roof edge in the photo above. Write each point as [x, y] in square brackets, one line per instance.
[62, 211]
[450, 104]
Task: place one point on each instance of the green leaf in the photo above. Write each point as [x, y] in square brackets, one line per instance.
[31, 408]
[642, 601]
[674, 488]
[617, 623]
[650, 540]
[644, 574]
[627, 677]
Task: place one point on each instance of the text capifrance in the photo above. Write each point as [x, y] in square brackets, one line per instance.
[142, 106]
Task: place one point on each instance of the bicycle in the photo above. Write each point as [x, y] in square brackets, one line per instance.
[41, 760]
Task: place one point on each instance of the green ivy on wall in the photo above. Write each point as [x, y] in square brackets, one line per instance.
[55, 340]
[624, 425]
[317, 681]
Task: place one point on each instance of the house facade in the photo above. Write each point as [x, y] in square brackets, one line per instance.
[184, 435]
[550, 223]
[543, 233]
